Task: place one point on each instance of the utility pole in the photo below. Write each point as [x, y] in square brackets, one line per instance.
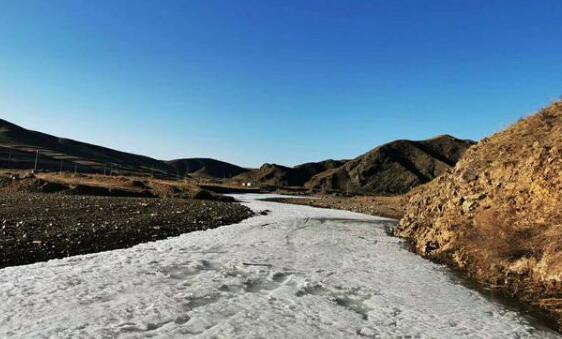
[60, 168]
[36, 160]
[75, 168]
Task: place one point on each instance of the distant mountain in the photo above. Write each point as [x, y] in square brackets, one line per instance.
[310, 169]
[18, 148]
[393, 168]
[206, 167]
[277, 176]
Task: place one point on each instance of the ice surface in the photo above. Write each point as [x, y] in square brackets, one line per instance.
[297, 272]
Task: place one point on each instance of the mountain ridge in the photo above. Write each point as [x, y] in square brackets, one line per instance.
[18, 146]
[393, 168]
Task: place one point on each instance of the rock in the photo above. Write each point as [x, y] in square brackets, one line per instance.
[468, 205]
[468, 175]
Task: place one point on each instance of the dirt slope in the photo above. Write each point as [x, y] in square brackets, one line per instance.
[100, 185]
[498, 214]
[393, 168]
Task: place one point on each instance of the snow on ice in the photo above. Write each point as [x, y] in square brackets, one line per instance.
[294, 273]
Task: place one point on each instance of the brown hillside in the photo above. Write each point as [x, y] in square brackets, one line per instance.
[18, 148]
[277, 176]
[498, 214]
[393, 168]
[206, 167]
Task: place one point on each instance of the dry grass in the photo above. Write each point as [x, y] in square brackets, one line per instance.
[496, 234]
[96, 184]
[159, 187]
[498, 214]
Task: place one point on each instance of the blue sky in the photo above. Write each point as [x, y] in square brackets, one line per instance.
[256, 81]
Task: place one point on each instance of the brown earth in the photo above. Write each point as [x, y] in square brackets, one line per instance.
[103, 185]
[37, 227]
[497, 215]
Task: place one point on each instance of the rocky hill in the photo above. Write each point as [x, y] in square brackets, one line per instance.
[393, 168]
[206, 167]
[18, 148]
[278, 176]
[498, 214]
[310, 169]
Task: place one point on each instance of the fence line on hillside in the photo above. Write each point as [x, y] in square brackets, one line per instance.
[34, 160]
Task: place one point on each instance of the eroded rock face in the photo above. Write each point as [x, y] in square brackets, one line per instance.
[393, 168]
[498, 213]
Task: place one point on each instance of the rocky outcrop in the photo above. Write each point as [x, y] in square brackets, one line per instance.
[393, 168]
[498, 214]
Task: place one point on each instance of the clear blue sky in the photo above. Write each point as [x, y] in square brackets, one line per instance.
[275, 81]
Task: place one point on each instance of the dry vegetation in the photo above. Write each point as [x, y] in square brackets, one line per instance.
[498, 214]
[102, 185]
[51, 215]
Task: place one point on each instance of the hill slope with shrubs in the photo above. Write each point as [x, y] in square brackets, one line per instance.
[498, 214]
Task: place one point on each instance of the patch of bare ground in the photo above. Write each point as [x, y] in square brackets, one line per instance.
[103, 185]
[50, 215]
[497, 215]
[389, 207]
[37, 226]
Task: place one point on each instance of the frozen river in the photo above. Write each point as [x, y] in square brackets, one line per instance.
[296, 272]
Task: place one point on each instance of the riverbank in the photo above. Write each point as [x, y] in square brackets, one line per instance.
[389, 207]
[40, 226]
[295, 272]
[497, 216]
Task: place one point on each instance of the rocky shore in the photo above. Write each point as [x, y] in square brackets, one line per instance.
[38, 227]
